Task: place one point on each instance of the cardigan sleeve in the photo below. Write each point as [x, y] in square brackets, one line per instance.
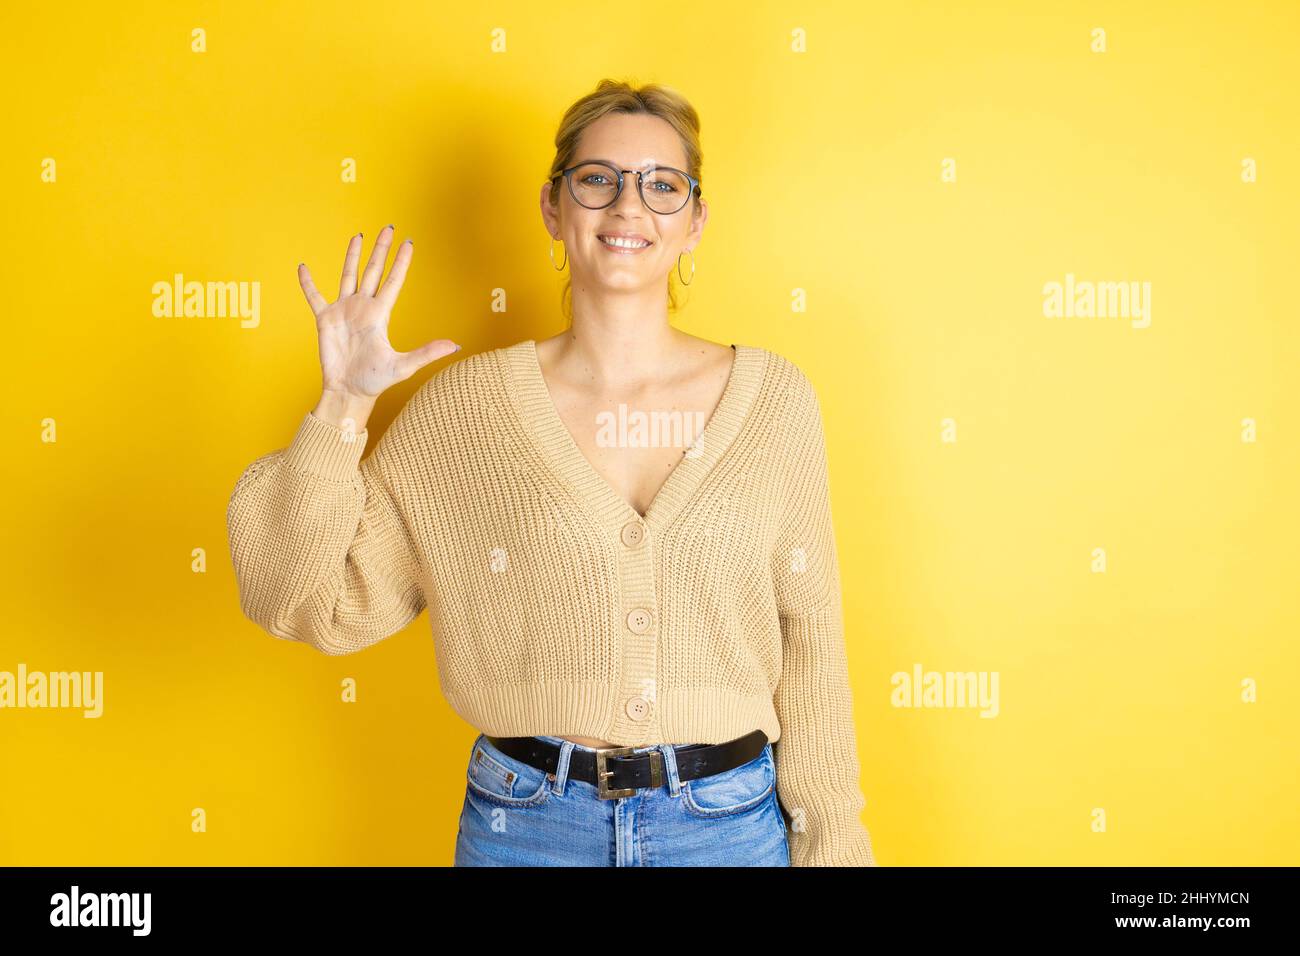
[321, 551]
[816, 757]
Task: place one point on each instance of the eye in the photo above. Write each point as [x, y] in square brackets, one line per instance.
[668, 187]
[593, 176]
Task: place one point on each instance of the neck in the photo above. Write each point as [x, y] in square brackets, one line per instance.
[617, 349]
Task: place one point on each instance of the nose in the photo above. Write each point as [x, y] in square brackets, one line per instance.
[630, 199]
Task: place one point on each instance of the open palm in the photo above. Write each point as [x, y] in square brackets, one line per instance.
[355, 355]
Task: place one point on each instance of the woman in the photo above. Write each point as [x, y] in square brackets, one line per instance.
[647, 633]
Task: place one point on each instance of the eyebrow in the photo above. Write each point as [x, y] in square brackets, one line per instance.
[650, 164]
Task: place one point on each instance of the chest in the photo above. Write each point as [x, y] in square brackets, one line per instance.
[635, 441]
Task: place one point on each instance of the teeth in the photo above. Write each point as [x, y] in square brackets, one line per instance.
[624, 243]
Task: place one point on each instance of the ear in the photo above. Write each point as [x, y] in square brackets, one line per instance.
[550, 213]
[698, 219]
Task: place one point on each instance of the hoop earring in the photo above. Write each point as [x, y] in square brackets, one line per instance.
[679, 267]
[560, 267]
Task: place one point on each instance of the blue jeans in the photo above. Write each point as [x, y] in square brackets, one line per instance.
[517, 815]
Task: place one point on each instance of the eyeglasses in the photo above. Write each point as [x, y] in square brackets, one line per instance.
[596, 184]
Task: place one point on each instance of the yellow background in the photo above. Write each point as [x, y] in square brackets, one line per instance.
[1118, 690]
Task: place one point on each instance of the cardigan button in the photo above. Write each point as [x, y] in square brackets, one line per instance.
[637, 708]
[633, 534]
[639, 620]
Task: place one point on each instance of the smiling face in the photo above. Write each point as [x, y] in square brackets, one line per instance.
[645, 244]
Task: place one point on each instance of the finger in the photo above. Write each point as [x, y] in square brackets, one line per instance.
[378, 258]
[314, 298]
[408, 363]
[396, 275]
[348, 284]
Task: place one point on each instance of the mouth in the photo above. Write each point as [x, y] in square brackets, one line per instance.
[627, 245]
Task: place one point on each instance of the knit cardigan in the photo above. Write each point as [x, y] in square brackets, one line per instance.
[556, 607]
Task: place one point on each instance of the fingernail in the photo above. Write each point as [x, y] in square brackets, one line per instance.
[409, 242]
[389, 226]
[457, 349]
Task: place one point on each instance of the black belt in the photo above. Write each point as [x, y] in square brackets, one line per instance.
[617, 772]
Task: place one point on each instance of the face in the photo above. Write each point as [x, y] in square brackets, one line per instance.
[629, 141]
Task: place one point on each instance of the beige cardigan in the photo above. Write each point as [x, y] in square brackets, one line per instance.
[557, 608]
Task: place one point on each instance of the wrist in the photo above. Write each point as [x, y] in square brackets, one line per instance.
[344, 409]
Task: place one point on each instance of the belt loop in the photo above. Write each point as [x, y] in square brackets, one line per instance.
[670, 769]
[561, 775]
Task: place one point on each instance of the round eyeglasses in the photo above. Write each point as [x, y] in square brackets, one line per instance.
[596, 184]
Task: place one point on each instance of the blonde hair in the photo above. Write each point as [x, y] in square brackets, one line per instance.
[611, 96]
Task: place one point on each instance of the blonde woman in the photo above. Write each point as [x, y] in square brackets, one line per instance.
[622, 535]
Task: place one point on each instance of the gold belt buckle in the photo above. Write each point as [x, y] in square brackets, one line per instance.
[602, 789]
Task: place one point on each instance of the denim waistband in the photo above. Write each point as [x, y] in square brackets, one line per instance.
[559, 741]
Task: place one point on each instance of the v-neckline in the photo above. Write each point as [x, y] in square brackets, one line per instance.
[537, 409]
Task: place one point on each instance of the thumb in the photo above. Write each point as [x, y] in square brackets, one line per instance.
[409, 363]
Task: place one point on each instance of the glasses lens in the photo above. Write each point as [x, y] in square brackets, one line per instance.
[594, 185]
[665, 190]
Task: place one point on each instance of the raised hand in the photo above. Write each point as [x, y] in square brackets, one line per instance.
[357, 361]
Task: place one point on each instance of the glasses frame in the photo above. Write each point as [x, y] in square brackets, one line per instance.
[568, 178]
